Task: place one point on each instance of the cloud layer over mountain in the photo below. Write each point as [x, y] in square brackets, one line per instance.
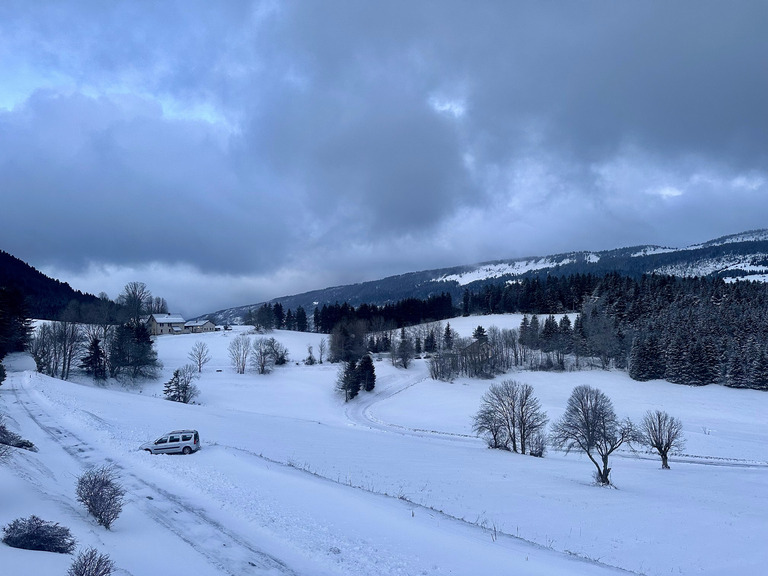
[226, 153]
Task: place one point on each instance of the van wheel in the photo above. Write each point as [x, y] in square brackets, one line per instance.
[187, 450]
[148, 450]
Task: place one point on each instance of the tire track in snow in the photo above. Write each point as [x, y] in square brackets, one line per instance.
[359, 412]
[228, 551]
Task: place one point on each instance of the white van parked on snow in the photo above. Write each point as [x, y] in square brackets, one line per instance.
[175, 442]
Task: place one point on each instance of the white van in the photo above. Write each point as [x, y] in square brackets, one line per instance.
[175, 442]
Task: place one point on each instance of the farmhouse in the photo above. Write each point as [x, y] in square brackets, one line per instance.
[165, 324]
[198, 326]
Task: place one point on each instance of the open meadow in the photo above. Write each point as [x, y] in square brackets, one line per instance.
[293, 480]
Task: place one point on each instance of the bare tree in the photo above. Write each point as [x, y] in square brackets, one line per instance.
[55, 346]
[590, 425]
[663, 433]
[322, 350]
[199, 355]
[262, 358]
[239, 349]
[277, 351]
[136, 299]
[497, 415]
[531, 419]
[157, 305]
[510, 416]
[487, 423]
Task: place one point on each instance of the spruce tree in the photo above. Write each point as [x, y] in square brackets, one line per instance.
[448, 337]
[366, 373]
[94, 361]
[348, 380]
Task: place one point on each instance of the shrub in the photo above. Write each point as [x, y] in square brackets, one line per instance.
[90, 563]
[99, 491]
[9, 438]
[35, 534]
[2, 373]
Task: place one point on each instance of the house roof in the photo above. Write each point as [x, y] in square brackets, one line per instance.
[192, 323]
[167, 318]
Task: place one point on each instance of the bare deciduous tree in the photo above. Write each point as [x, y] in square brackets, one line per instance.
[663, 433]
[261, 359]
[239, 349]
[55, 346]
[136, 299]
[322, 350]
[199, 355]
[590, 425]
[530, 418]
[510, 416]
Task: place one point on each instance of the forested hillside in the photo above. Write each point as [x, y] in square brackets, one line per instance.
[45, 297]
[743, 256]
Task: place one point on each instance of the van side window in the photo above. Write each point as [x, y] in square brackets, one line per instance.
[161, 440]
[173, 439]
[186, 437]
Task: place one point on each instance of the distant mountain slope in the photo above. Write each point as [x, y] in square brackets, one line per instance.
[743, 255]
[45, 296]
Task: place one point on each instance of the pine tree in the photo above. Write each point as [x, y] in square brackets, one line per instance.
[480, 335]
[348, 380]
[278, 316]
[366, 373]
[448, 337]
[170, 388]
[94, 360]
[404, 351]
[430, 345]
[301, 319]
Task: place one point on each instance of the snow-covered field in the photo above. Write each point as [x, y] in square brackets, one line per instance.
[291, 480]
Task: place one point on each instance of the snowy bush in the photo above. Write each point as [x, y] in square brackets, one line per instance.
[90, 563]
[99, 491]
[8, 439]
[35, 534]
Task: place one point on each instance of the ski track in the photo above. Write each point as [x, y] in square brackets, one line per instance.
[157, 502]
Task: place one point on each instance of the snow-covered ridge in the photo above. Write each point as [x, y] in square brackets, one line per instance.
[749, 236]
[708, 266]
[497, 270]
[651, 250]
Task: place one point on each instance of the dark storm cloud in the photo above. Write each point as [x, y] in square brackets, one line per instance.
[337, 141]
[94, 179]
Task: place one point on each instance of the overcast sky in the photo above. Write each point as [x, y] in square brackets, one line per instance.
[227, 153]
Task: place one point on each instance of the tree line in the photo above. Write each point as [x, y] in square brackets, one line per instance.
[692, 331]
[406, 312]
[104, 339]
